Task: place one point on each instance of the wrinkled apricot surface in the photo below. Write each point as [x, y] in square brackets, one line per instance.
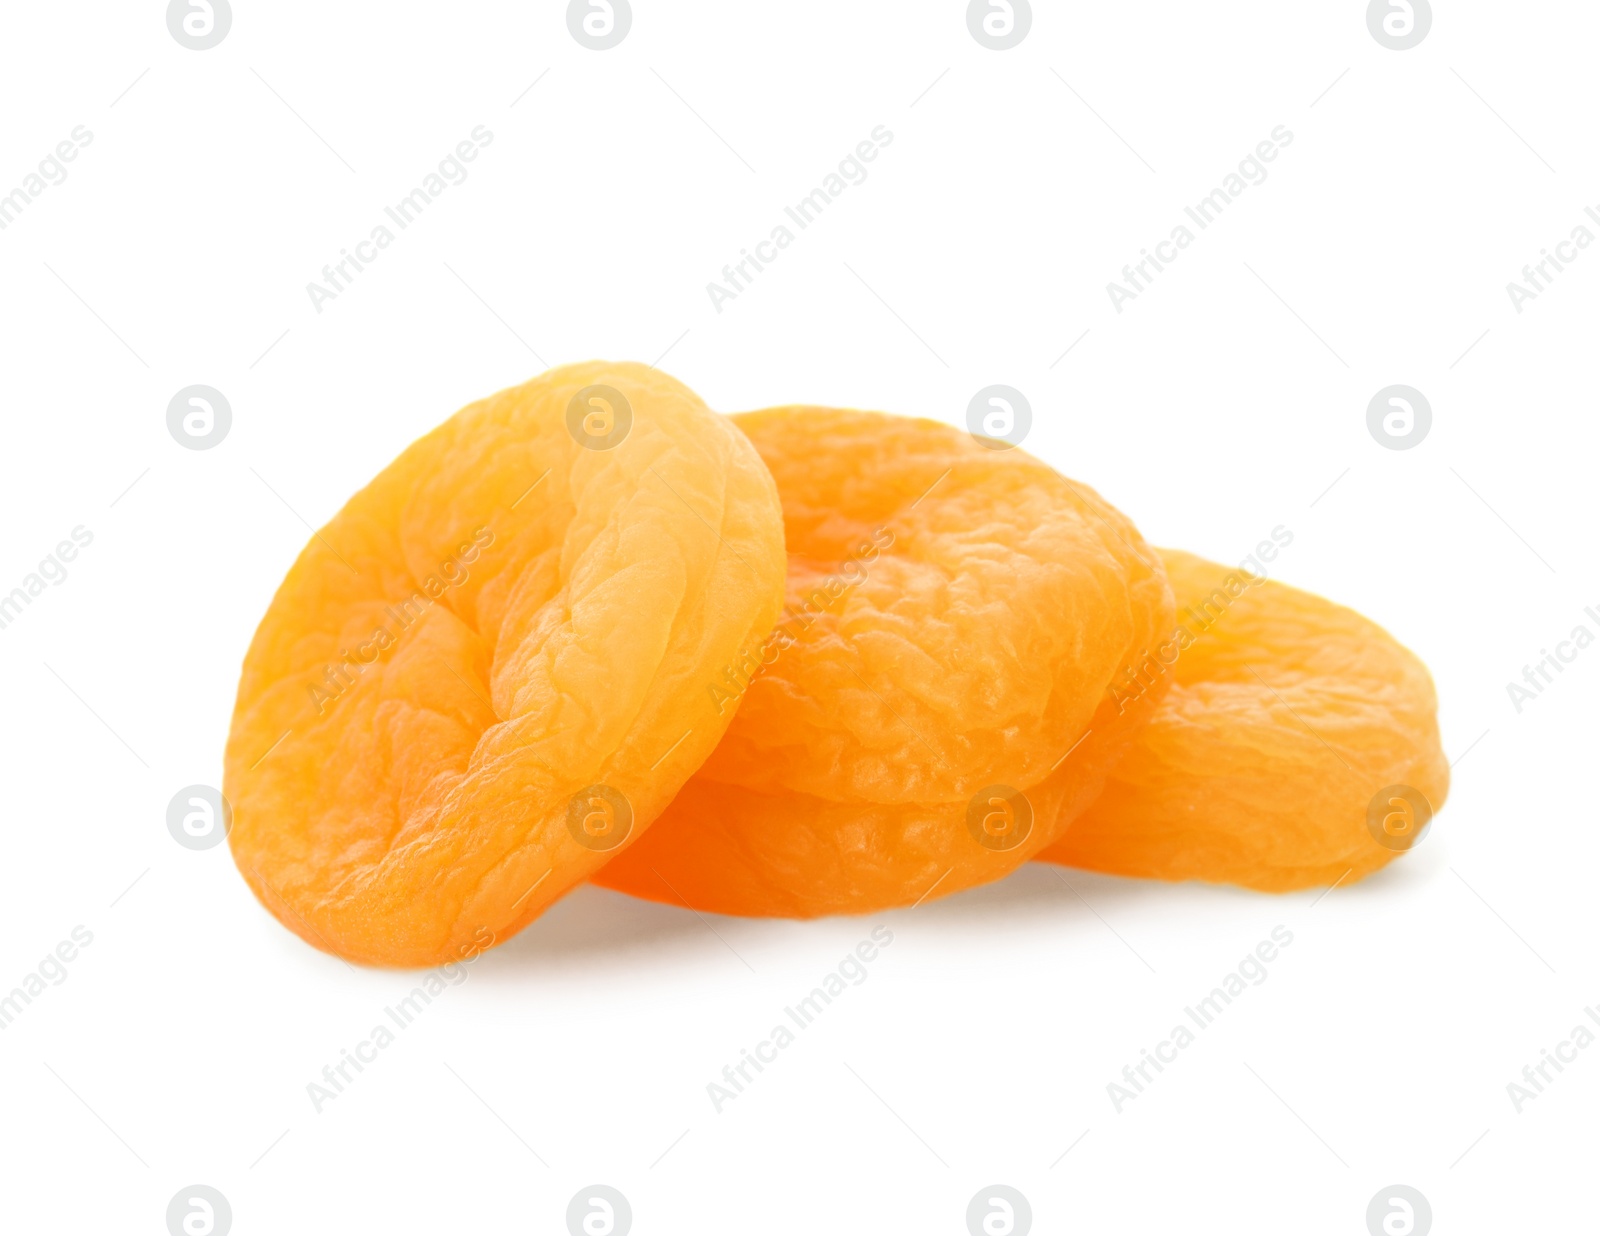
[491, 666]
[1272, 759]
[933, 702]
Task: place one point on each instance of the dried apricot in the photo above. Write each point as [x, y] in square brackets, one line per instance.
[1298, 745]
[933, 703]
[487, 672]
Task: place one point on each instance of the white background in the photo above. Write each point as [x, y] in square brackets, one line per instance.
[1221, 403]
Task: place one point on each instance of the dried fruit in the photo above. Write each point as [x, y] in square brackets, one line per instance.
[1280, 757]
[933, 703]
[488, 670]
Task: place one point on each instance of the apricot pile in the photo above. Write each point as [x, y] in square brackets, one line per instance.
[795, 662]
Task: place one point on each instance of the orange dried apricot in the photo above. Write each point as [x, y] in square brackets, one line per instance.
[933, 703]
[487, 672]
[1298, 745]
